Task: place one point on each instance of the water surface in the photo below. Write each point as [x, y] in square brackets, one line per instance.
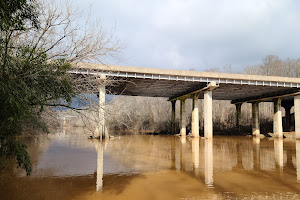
[67, 165]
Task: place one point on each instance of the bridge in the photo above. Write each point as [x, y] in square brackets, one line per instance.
[181, 85]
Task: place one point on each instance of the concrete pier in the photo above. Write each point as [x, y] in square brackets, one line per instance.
[173, 124]
[208, 124]
[297, 116]
[277, 119]
[102, 132]
[182, 118]
[195, 116]
[255, 119]
[238, 116]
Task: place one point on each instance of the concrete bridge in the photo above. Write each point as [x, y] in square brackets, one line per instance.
[180, 85]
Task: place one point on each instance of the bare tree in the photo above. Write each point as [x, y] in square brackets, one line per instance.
[72, 36]
[272, 65]
[67, 33]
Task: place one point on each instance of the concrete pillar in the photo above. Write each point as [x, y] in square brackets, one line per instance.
[255, 119]
[297, 116]
[173, 124]
[238, 116]
[277, 119]
[182, 118]
[102, 131]
[208, 124]
[195, 116]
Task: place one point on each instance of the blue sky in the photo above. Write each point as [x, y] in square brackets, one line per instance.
[200, 34]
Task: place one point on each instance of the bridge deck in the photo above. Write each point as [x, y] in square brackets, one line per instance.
[173, 83]
[176, 84]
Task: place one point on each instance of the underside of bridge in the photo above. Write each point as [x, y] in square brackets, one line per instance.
[173, 89]
[180, 85]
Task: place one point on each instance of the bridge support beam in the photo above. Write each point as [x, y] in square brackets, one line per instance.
[208, 124]
[173, 115]
[182, 118]
[238, 107]
[255, 119]
[277, 119]
[102, 130]
[195, 116]
[297, 116]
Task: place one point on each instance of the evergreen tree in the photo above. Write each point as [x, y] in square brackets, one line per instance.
[28, 80]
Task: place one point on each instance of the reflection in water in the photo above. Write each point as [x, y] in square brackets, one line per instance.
[298, 159]
[267, 159]
[183, 139]
[209, 162]
[278, 151]
[99, 149]
[67, 166]
[256, 140]
[247, 157]
[177, 156]
[195, 155]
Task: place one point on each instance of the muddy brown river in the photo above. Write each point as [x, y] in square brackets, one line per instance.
[67, 165]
